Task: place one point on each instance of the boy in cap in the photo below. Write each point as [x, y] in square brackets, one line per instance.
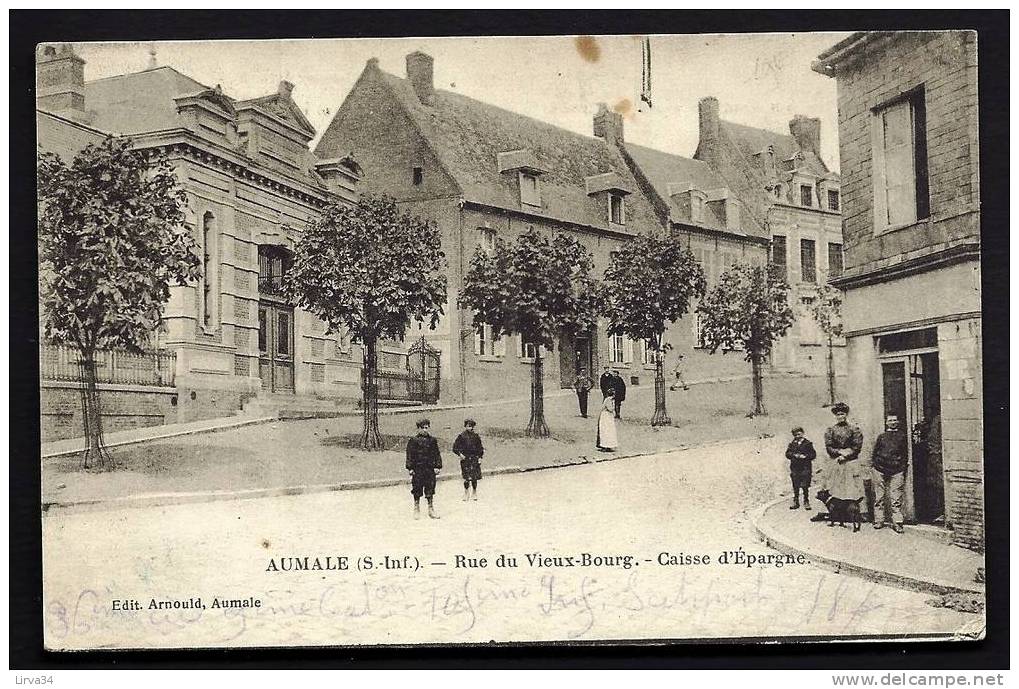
[801, 455]
[423, 463]
[469, 449]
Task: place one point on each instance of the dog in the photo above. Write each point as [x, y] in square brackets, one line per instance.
[840, 510]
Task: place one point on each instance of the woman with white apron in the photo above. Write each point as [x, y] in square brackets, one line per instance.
[607, 441]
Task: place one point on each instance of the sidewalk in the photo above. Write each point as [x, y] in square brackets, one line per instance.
[134, 436]
[907, 560]
[272, 457]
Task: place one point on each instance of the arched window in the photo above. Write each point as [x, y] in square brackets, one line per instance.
[209, 300]
[273, 264]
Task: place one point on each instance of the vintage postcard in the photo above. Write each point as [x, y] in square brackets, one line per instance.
[583, 339]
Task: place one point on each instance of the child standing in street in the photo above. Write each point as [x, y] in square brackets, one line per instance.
[469, 449]
[801, 456]
[423, 463]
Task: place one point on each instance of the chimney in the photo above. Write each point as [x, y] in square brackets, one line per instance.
[60, 80]
[709, 148]
[419, 72]
[807, 132]
[285, 89]
[608, 125]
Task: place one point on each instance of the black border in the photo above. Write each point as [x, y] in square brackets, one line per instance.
[30, 27]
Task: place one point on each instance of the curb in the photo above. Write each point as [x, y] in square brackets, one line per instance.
[168, 434]
[170, 499]
[902, 581]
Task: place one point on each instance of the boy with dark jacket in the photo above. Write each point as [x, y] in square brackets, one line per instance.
[801, 455]
[423, 463]
[469, 449]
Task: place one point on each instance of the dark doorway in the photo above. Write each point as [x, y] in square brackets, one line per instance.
[925, 437]
[575, 353]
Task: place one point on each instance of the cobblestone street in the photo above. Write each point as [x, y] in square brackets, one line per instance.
[689, 503]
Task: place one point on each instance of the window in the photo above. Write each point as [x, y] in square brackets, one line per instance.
[806, 195]
[617, 210]
[486, 344]
[647, 353]
[487, 239]
[833, 200]
[778, 191]
[528, 350]
[617, 349]
[419, 176]
[778, 257]
[530, 195]
[698, 325]
[901, 194]
[696, 208]
[273, 264]
[808, 261]
[834, 260]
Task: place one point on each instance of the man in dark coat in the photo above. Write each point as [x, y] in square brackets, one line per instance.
[582, 385]
[619, 388]
[801, 456]
[469, 449]
[889, 461]
[423, 463]
[606, 383]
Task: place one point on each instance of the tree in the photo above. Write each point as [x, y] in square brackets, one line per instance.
[650, 282]
[538, 287]
[747, 310]
[369, 269]
[112, 241]
[827, 312]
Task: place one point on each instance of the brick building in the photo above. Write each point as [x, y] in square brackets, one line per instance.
[481, 172]
[251, 184]
[789, 190]
[908, 131]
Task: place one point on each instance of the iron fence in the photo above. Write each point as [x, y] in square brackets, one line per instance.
[58, 362]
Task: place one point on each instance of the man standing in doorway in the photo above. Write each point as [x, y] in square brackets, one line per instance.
[583, 385]
[889, 461]
[619, 390]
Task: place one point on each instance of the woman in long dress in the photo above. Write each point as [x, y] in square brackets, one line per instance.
[607, 441]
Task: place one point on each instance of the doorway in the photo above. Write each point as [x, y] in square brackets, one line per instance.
[276, 347]
[911, 387]
[575, 353]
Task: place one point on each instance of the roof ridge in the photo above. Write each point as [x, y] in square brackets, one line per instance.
[486, 104]
[145, 71]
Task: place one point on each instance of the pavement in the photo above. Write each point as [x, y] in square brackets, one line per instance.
[662, 549]
[911, 560]
[136, 436]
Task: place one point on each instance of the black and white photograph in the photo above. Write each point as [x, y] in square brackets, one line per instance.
[670, 338]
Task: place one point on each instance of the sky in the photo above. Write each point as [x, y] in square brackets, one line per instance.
[760, 80]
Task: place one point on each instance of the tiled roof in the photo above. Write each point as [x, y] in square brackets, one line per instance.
[753, 140]
[468, 136]
[666, 172]
[139, 102]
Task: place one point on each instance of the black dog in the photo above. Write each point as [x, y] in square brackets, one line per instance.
[840, 510]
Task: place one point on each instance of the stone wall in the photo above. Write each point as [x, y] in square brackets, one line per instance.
[124, 407]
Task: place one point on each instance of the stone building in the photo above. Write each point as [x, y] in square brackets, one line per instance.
[481, 172]
[790, 191]
[252, 183]
[908, 135]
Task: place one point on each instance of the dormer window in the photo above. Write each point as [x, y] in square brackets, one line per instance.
[833, 200]
[617, 209]
[806, 195]
[418, 176]
[530, 194]
[696, 208]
